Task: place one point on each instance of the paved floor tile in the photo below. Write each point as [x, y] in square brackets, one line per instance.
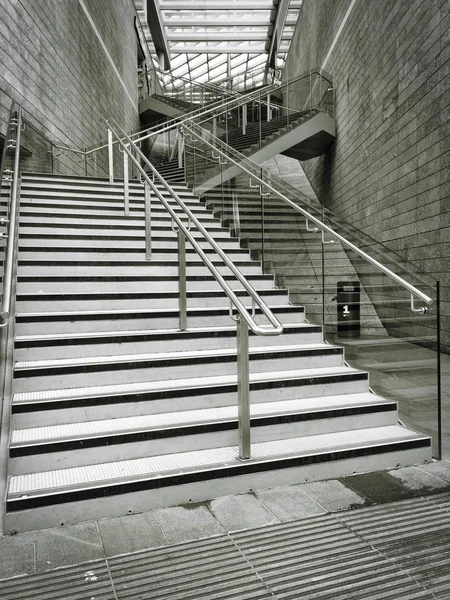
[71, 545]
[418, 480]
[121, 535]
[439, 469]
[241, 512]
[378, 487]
[181, 524]
[16, 555]
[333, 495]
[289, 503]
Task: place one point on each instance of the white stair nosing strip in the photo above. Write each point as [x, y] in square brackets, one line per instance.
[166, 385]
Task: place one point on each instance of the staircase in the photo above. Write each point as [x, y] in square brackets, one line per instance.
[115, 410]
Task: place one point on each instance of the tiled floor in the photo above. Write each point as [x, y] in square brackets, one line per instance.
[45, 550]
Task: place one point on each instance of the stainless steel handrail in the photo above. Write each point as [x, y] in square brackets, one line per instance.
[169, 125]
[10, 245]
[243, 320]
[322, 226]
[277, 327]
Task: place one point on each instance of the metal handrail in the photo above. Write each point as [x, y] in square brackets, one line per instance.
[10, 245]
[169, 125]
[257, 300]
[322, 226]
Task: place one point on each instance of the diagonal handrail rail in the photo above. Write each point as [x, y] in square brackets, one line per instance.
[244, 320]
[15, 123]
[415, 292]
[256, 298]
[234, 103]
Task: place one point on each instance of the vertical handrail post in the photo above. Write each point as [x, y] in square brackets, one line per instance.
[269, 110]
[180, 149]
[243, 380]
[110, 156]
[182, 280]
[287, 100]
[148, 222]
[260, 121]
[244, 119]
[126, 187]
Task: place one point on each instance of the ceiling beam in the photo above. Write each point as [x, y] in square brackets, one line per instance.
[278, 22]
[222, 5]
[155, 24]
[204, 49]
[172, 22]
[220, 36]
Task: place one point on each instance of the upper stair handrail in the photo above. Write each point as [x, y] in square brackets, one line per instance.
[256, 299]
[210, 111]
[12, 140]
[190, 130]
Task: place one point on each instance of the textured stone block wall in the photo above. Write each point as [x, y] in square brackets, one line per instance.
[69, 62]
[388, 170]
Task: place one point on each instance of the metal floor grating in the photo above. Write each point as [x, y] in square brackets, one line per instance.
[398, 551]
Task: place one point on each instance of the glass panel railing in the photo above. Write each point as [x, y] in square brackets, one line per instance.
[367, 297]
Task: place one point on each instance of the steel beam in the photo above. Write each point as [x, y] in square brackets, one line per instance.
[155, 23]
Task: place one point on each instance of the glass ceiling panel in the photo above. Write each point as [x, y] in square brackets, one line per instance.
[215, 40]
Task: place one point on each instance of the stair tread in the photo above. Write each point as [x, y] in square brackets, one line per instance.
[186, 383]
[180, 418]
[152, 332]
[171, 464]
[168, 356]
[134, 311]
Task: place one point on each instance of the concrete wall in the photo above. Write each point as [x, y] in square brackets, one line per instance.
[69, 62]
[387, 173]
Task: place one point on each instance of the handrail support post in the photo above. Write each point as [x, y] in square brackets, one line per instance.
[110, 156]
[148, 222]
[126, 187]
[243, 383]
[182, 280]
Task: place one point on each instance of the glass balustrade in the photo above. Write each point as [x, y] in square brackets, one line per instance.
[348, 282]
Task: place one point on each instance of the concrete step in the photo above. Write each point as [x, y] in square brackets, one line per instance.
[77, 444]
[89, 321]
[132, 368]
[108, 489]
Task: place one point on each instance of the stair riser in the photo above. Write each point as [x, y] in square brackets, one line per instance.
[111, 451]
[164, 345]
[111, 232]
[211, 399]
[37, 305]
[55, 515]
[113, 255]
[154, 322]
[78, 221]
[196, 368]
[53, 245]
[148, 269]
[98, 286]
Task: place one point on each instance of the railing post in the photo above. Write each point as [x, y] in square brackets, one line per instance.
[182, 280]
[180, 149]
[243, 380]
[269, 110]
[214, 127]
[126, 190]
[244, 119]
[260, 121]
[148, 222]
[110, 156]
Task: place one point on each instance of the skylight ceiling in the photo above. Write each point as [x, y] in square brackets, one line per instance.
[212, 40]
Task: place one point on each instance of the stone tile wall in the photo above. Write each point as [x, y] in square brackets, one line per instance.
[388, 171]
[55, 64]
